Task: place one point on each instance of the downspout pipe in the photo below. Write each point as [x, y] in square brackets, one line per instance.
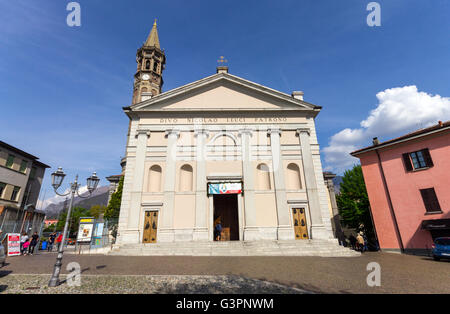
[391, 207]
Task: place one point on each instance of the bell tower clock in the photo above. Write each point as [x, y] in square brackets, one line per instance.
[150, 60]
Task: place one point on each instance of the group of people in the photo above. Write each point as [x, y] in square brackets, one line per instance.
[27, 244]
[358, 243]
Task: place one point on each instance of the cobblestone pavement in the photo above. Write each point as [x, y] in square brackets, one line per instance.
[137, 284]
[399, 273]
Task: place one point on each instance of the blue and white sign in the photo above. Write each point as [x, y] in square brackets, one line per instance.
[224, 188]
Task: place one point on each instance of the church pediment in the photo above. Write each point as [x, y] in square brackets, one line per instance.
[222, 91]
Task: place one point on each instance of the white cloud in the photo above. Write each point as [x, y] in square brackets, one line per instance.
[400, 110]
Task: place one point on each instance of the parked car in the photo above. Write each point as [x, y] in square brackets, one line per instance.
[2, 255]
[441, 248]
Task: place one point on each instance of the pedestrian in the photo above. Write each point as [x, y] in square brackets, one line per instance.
[218, 230]
[25, 246]
[23, 239]
[58, 241]
[360, 240]
[33, 243]
[51, 240]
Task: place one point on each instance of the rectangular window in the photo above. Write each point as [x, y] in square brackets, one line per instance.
[23, 166]
[10, 161]
[430, 200]
[15, 193]
[2, 189]
[418, 160]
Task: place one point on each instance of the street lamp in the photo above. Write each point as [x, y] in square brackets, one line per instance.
[57, 179]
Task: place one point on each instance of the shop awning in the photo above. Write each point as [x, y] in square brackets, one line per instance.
[436, 224]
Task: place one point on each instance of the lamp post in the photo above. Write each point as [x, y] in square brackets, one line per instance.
[57, 179]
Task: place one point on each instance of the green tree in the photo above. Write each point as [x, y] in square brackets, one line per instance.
[74, 221]
[353, 202]
[113, 210]
[97, 210]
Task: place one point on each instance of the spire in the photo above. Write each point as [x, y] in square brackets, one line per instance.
[153, 39]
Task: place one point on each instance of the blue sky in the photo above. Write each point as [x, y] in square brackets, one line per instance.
[62, 88]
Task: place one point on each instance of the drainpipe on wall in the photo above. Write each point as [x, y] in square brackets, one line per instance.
[391, 207]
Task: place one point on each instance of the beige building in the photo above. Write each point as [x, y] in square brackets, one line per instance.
[219, 149]
[21, 176]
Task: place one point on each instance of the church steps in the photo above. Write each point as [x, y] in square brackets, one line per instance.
[256, 248]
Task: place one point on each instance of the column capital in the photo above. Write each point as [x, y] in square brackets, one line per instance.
[142, 132]
[274, 131]
[198, 132]
[246, 131]
[303, 130]
[175, 132]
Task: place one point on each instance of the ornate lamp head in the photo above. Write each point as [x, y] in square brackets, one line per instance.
[92, 182]
[57, 178]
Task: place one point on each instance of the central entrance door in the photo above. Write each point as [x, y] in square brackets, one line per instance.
[226, 211]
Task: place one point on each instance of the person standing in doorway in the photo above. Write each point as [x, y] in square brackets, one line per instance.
[33, 243]
[218, 230]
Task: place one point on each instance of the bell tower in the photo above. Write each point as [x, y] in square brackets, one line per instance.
[150, 60]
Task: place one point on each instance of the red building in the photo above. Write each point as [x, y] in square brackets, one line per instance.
[408, 183]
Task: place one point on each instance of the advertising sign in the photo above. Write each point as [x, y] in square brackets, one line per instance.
[225, 188]
[85, 230]
[13, 244]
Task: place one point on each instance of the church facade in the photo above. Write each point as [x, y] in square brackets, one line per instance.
[221, 149]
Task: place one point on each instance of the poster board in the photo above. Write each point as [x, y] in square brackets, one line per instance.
[13, 244]
[85, 230]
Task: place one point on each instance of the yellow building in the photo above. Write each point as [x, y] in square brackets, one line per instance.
[219, 149]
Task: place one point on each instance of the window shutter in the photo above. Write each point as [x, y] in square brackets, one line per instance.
[430, 200]
[427, 157]
[407, 162]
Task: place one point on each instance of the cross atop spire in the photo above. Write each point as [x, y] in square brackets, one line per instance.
[153, 39]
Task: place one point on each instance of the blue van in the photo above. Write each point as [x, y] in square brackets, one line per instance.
[441, 248]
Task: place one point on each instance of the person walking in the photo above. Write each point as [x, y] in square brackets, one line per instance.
[23, 239]
[51, 240]
[33, 243]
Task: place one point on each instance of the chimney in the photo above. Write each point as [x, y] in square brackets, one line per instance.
[222, 69]
[375, 141]
[298, 95]
[441, 124]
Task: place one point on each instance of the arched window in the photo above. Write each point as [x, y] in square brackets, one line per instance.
[155, 66]
[186, 178]
[263, 177]
[293, 177]
[147, 65]
[154, 179]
